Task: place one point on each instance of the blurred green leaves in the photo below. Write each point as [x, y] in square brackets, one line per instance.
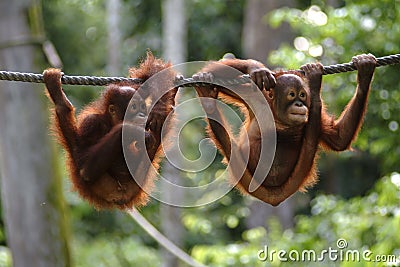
[370, 222]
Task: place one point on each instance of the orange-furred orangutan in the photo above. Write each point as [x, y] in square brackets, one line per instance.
[93, 141]
[301, 120]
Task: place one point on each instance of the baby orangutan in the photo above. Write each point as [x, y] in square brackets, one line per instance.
[301, 120]
[93, 141]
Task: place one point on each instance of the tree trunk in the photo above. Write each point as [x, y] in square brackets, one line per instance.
[259, 39]
[174, 31]
[31, 192]
[114, 37]
[175, 50]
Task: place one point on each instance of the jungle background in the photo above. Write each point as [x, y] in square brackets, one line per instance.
[358, 195]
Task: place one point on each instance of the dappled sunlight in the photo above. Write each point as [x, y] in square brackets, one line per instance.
[315, 16]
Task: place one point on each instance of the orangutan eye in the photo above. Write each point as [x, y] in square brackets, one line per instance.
[291, 95]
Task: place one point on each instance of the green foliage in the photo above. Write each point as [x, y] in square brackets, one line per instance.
[5, 257]
[222, 220]
[214, 28]
[141, 30]
[121, 252]
[366, 223]
[84, 40]
[78, 31]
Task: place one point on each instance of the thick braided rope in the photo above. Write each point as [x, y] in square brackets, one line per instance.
[381, 61]
[92, 80]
